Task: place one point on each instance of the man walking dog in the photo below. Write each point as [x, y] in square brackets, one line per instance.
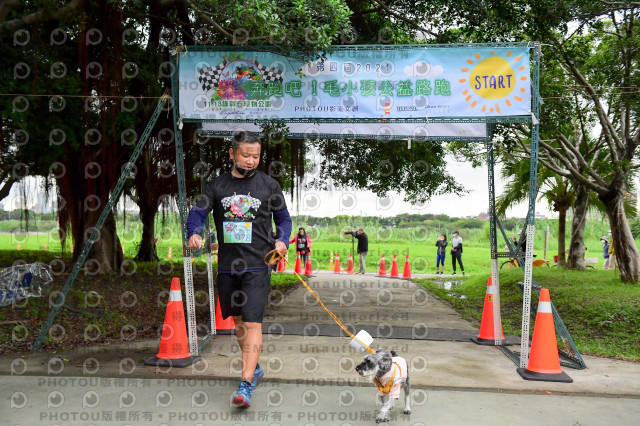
[243, 202]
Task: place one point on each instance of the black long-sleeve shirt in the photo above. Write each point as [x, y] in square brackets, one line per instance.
[363, 241]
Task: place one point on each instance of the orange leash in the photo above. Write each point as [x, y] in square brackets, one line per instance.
[275, 258]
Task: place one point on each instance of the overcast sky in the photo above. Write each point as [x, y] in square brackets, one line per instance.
[365, 203]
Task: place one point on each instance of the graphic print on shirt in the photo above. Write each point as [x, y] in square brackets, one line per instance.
[239, 206]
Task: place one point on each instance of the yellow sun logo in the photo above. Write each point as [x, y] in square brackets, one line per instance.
[495, 79]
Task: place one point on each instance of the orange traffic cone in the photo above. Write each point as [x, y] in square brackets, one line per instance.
[382, 271]
[486, 336]
[544, 362]
[331, 262]
[224, 326]
[174, 345]
[406, 272]
[336, 267]
[45, 247]
[18, 247]
[350, 268]
[169, 253]
[281, 266]
[394, 268]
[308, 270]
[298, 268]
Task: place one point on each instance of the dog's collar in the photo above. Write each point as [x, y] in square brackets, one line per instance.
[387, 387]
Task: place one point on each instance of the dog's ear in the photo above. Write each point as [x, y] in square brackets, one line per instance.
[379, 350]
[393, 353]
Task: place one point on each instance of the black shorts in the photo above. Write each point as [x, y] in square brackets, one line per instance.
[244, 294]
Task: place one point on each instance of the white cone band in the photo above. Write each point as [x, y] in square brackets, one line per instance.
[175, 296]
[544, 307]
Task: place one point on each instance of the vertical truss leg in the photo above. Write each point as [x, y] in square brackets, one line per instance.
[495, 270]
[212, 297]
[126, 171]
[533, 191]
[526, 298]
[182, 208]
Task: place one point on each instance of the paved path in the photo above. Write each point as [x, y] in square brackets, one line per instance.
[310, 376]
[55, 401]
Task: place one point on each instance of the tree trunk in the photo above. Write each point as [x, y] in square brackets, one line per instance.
[147, 249]
[577, 249]
[626, 251]
[107, 249]
[84, 201]
[562, 231]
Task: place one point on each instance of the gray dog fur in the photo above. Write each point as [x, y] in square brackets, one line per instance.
[378, 364]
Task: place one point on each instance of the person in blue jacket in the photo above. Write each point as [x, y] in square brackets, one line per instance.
[243, 202]
[605, 252]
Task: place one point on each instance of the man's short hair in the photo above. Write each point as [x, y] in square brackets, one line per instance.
[243, 137]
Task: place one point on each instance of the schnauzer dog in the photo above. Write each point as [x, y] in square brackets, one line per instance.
[389, 373]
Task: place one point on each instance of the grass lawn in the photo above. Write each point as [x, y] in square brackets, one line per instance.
[601, 313]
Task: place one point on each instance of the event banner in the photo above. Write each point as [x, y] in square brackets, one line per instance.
[355, 83]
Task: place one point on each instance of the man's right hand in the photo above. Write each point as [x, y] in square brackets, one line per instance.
[195, 242]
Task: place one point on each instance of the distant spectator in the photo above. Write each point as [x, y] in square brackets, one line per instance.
[441, 243]
[363, 247]
[605, 252]
[303, 244]
[514, 241]
[456, 252]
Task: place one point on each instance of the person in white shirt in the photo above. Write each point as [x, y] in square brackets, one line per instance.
[456, 252]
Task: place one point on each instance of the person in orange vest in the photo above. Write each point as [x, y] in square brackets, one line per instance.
[244, 202]
[302, 240]
[613, 263]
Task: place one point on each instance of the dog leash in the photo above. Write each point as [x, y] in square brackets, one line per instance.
[273, 260]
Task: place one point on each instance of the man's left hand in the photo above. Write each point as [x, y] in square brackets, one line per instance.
[282, 248]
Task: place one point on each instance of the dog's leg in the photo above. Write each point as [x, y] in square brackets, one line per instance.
[383, 415]
[407, 396]
[382, 400]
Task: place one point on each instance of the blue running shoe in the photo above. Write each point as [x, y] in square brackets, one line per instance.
[243, 395]
[257, 376]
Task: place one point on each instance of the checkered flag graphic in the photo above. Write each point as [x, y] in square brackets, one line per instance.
[209, 76]
[270, 73]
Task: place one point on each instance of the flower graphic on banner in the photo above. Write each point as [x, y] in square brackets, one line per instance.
[495, 79]
[230, 90]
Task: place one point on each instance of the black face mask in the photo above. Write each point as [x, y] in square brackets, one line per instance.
[244, 172]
